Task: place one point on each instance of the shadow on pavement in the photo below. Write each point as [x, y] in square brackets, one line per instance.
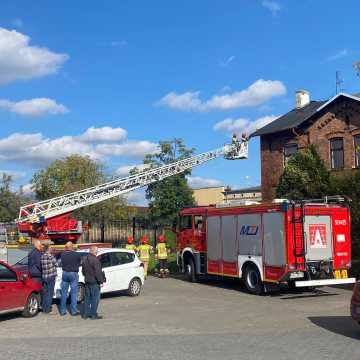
[342, 325]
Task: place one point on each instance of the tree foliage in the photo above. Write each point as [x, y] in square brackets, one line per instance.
[305, 176]
[10, 201]
[75, 173]
[168, 196]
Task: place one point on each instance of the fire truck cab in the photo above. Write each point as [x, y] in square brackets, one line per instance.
[304, 244]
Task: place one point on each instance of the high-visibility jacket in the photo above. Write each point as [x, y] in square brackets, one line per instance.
[144, 251]
[161, 251]
[130, 247]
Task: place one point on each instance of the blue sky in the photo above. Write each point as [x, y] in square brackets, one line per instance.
[112, 80]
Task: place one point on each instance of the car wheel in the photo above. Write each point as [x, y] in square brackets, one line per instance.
[81, 293]
[252, 280]
[134, 287]
[190, 270]
[32, 305]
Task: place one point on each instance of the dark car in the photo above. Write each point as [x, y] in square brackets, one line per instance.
[18, 292]
[355, 302]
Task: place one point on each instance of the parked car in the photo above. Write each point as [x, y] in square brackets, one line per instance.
[355, 302]
[18, 292]
[123, 271]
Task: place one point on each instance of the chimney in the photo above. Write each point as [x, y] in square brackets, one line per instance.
[302, 98]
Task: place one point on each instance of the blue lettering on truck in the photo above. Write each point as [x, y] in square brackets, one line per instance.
[249, 230]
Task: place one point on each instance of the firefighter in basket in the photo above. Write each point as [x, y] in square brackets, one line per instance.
[144, 250]
[162, 255]
[130, 243]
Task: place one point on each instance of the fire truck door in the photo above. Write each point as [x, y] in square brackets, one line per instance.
[214, 245]
[318, 237]
[229, 245]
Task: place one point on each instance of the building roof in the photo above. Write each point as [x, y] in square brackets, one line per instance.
[296, 117]
[241, 191]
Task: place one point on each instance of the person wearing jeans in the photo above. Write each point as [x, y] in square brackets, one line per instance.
[94, 278]
[49, 273]
[70, 263]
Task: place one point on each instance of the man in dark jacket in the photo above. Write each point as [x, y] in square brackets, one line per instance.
[70, 263]
[34, 262]
[94, 278]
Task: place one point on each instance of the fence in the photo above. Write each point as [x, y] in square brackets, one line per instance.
[117, 232]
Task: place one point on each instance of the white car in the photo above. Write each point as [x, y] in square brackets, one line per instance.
[123, 271]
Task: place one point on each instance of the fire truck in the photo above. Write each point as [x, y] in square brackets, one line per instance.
[303, 244]
[52, 219]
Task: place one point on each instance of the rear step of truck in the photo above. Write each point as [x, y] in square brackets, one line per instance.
[324, 282]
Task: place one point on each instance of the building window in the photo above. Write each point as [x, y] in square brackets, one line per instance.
[289, 150]
[357, 150]
[337, 153]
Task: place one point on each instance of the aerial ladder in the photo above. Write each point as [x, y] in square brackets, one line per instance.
[51, 219]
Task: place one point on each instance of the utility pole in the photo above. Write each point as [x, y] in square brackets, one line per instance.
[339, 81]
[356, 66]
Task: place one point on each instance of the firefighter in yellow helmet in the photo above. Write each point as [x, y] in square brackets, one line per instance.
[144, 250]
[162, 255]
[130, 243]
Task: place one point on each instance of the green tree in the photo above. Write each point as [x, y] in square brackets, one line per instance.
[305, 176]
[10, 201]
[75, 173]
[168, 196]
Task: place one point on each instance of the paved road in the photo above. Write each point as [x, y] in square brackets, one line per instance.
[173, 319]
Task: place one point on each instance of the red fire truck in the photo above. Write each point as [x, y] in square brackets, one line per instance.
[304, 244]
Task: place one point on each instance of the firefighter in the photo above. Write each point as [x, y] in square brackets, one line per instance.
[244, 137]
[234, 140]
[130, 243]
[162, 255]
[144, 250]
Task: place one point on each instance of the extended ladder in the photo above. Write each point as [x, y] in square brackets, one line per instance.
[36, 212]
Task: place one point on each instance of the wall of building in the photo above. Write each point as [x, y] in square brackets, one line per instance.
[207, 196]
[341, 119]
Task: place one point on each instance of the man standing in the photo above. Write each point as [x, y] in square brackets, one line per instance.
[70, 263]
[144, 250]
[130, 243]
[34, 262]
[162, 255]
[49, 272]
[94, 278]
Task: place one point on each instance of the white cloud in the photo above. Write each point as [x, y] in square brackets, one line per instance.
[273, 6]
[21, 61]
[103, 135]
[15, 175]
[34, 107]
[257, 93]
[130, 148]
[200, 182]
[124, 170]
[36, 149]
[27, 189]
[136, 197]
[339, 55]
[243, 125]
[227, 61]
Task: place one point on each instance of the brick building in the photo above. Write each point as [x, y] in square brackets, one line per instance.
[332, 126]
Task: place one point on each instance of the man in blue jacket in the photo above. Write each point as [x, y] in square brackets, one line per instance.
[34, 262]
[70, 263]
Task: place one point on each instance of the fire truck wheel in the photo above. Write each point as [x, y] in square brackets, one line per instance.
[190, 270]
[252, 280]
[81, 293]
